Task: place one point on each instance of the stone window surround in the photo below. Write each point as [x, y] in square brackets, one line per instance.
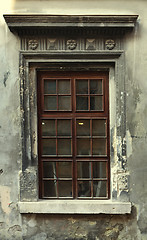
[113, 61]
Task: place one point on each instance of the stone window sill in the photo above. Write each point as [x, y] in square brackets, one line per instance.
[75, 207]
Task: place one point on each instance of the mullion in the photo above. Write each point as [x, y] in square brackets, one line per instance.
[56, 136]
[103, 96]
[42, 182]
[88, 94]
[91, 179]
[57, 94]
[91, 137]
[57, 180]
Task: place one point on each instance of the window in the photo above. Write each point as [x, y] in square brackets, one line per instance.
[73, 133]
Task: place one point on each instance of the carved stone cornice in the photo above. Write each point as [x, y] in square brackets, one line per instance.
[22, 23]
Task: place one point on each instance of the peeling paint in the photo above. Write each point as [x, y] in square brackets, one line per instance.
[6, 76]
[5, 198]
[128, 143]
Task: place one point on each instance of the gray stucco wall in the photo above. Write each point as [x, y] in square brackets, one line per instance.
[13, 225]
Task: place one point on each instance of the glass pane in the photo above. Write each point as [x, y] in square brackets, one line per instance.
[99, 188]
[96, 86]
[65, 188]
[99, 146]
[83, 146]
[84, 188]
[82, 103]
[64, 127]
[81, 86]
[64, 146]
[49, 86]
[96, 103]
[48, 128]
[49, 169]
[99, 127]
[64, 103]
[49, 146]
[50, 103]
[50, 188]
[64, 169]
[63, 86]
[83, 169]
[83, 127]
[99, 169]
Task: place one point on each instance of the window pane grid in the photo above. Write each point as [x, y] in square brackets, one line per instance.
[89, 97]
[62, 128]
[87, 142]
[59, 92]
[55, 169]
[87, 185]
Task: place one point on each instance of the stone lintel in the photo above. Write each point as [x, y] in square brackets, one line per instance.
[22, 21]
[75, 207]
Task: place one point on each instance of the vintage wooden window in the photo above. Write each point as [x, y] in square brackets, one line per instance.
[73, 133]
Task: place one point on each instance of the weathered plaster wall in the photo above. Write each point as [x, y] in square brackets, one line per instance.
[100, 227]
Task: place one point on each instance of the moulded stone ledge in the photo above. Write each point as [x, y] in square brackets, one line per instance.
[75, 207]
[22, 22]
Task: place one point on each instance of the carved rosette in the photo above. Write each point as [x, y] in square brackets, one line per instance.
[110, 44]
[71, 44]
[33, 44]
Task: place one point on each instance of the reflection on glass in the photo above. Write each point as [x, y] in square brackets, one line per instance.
[99, 169]
[98, 127]
[49, 86]
[50, 103]
[64, 127]
[64, 103]
[83, 169]
[83, 127]
[99, 146]
[65, 188]
[96, 86]
[82, 103]
[84, 188]
[83, 146]
[93, 86]
[64, 146]
[99, 188]
[96, 103]
[49, 170]
[48, 128]
[49, 146]
[50, 188]
[64, 86]
[64, 169]
[81, 86]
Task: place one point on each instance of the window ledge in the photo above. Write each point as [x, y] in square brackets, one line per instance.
[75, 207]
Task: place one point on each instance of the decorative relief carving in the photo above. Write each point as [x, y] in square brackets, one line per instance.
[90, 44]
[71, 44]
[62, 43]
[33, 44]
[110, 44]
[52, 44]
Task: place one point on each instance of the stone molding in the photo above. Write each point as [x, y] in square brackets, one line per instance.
[26, 23]
[70, 20]
[75, 207]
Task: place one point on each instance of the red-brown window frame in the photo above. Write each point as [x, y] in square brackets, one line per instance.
[73, 114]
